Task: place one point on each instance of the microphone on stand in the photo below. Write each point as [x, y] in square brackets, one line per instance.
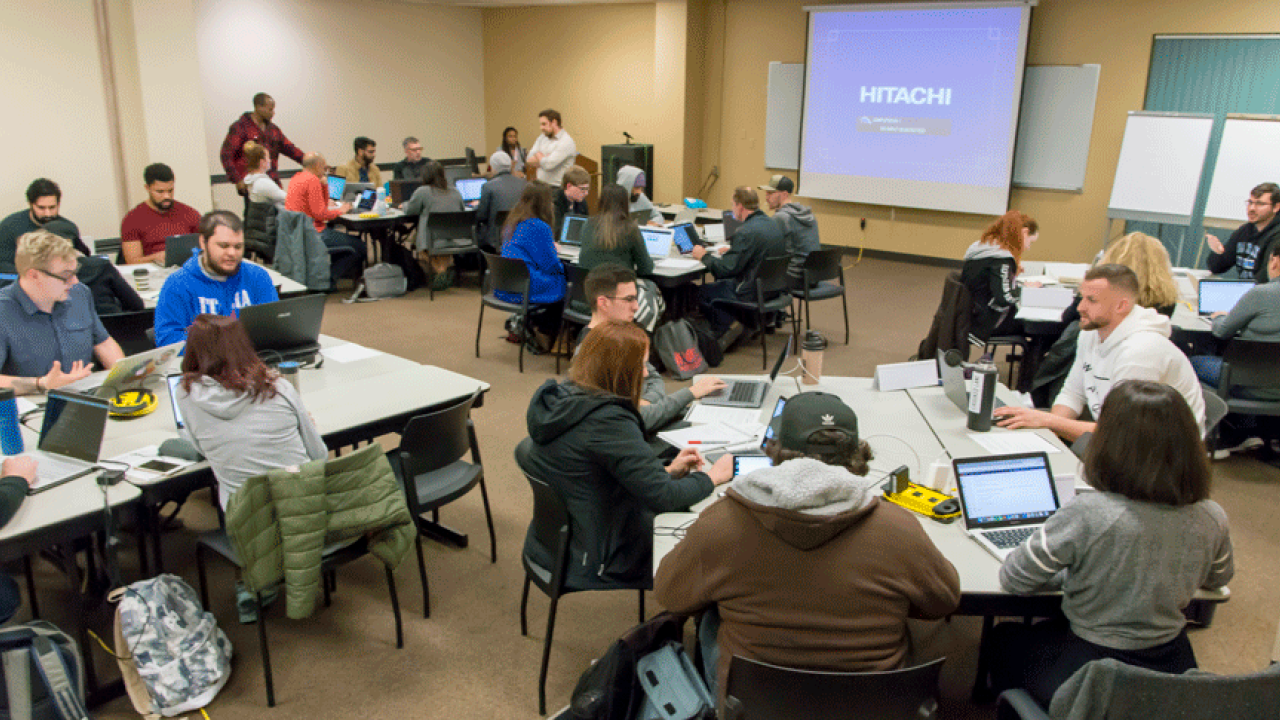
[627, 135]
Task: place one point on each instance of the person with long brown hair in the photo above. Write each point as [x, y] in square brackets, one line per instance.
[435, 195]
[241, 415]
[1127, 558]
[586, 439]
[990, 272]
[527, 236]
[611, 236]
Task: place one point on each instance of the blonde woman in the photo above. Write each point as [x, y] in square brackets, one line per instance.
[1148, 259]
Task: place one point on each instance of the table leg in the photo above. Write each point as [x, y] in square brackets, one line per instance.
[981, 692]
[31, 586]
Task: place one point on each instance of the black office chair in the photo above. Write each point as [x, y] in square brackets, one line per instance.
[576, 314]
[820, 268]
[431, 470]
[110, 247]
[511, 276]
[178, 248]
[130, 329]
[760, 691]
[449, 233]
[1248, 364]
[772, 295]
[260, 231]
[551, 527]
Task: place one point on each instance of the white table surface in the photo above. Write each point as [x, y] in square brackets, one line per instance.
[1184, 314]
[156, 277]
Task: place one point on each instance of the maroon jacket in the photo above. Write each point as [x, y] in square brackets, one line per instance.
[273, 139]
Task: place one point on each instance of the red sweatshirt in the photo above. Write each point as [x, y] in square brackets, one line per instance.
[309, 194]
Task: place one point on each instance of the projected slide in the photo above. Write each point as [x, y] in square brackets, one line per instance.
[913, 108]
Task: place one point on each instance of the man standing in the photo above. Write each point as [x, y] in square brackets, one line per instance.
[571, 197]
[361, 168]
[44, 197]
[1119, 340]
[144, 230]
[735, 271]
[410, 168]
[256, 126]
[500, 194]
[799, 228]
[1248, 243]
[49, 331]
[213, 281]
[553, 152]
[309, 194]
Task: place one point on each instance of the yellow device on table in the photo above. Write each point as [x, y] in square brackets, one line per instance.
[900, 491]
[133, 403]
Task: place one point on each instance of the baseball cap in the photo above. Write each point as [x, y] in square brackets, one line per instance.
[808, 413]
[779, 183]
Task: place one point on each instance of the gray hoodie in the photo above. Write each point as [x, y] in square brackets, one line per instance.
[807, 485]
[242, 438]
[627, 178]
[800, 230]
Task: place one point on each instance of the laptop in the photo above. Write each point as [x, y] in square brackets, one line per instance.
[469, 188]
[368, 197]
[641, 217]
[954, 383]
[657, 241]
[684, 215]
[731, 224]
[353, 190]
[286, 329]
[747, 393]
[178, 248]
[129, 373]
[685, 236]
[1004, 498]
[402, 190]
[1221, 295]
[174, 381]
[768, 427]
[70, 438]
[571, 230]
[337, 187]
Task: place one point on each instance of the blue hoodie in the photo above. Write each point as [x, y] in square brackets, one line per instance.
[190, 292]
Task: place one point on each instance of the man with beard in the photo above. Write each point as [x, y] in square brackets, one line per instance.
[144, 230]
[553, 152]
[257, 126]
[44, 197]
[1119, 340]
[213, 281]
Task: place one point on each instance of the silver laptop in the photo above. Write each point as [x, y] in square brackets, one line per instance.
[1004, 498]
[174, 381]
[747, 393]
[70, 438]
[571, 230]
[683, 215]
[1221, 295]
[657, 241]
[353, 190]
[954, 383]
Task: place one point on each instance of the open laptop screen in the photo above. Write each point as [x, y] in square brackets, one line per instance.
[656, 241]
[469, 188]
[1005, 488]
[174, 382]
[571, 230]
[337, 184]
[74, 425]
[1222, 295]
[684, 235]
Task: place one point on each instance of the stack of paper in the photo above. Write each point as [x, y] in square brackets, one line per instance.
[710, 435]
[1044, 303]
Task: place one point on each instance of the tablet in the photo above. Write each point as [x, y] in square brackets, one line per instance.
[743, 464]
[685, 236]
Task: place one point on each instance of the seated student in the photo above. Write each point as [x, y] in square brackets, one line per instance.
[632, 179]
[586, 439]
[527, 237]
[145, 228]
[799, 228]
[611, 236]
[833, 572]
[112, 294]
[611, 291]
[49, 331]
[214, 281]
[308, 194]
[990, 272]
[1255, 317]
[261, 187]
[44, 198]
[735, 272]
[571, 196]
[500, 194]
[435, 195]
[413, 164]
[1127, 558]
[17, 474]
[361, 168]
[1244, 249]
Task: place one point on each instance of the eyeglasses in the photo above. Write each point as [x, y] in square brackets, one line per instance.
[627, 299]
[66, 280]
[1257, 203]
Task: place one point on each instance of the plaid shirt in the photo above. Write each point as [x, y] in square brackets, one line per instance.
[273, 139]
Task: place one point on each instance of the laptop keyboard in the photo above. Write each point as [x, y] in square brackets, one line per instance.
[1009, 539]
[50, 469]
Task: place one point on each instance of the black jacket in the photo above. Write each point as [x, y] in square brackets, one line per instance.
[565, 207]
[590, 448]
[757, 239]
[990, 273]
[1246, 247]
[111, 293]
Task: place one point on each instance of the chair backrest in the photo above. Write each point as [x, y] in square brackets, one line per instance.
[576, 293]
[432, 441]
[130, 329]
[772, 275]
[109, 247]
[177, 248]
[1250, 363]
[1215, 408]
[550, 525]
[506, 274]
[823, 265]
[760, 691]
[460, 225]
[1116, 690]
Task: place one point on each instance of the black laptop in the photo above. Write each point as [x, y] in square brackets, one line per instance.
[285, 329]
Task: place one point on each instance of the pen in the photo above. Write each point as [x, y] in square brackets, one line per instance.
[708, 442]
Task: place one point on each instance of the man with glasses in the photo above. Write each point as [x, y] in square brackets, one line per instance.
[571, 197]
[1249, 242]
[612, 294]
[411, 167]
[49, 330]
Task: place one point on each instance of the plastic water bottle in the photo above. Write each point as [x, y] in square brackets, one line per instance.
[380, 206]
[982, 394]
[10, 432]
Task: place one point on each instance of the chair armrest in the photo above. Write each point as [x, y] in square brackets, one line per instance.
[1018, 705]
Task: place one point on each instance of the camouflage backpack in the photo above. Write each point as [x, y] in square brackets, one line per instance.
[173, 656]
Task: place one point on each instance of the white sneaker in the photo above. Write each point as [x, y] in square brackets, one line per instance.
[1247, 444]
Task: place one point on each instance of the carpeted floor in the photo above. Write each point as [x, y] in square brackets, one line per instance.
[469, 660]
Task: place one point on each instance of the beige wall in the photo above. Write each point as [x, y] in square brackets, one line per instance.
[1116, 35]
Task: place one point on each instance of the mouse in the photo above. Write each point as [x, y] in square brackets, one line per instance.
[950, 506]
[181, 449]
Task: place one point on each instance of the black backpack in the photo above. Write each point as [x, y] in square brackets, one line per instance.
[610, 689]
[43, 678]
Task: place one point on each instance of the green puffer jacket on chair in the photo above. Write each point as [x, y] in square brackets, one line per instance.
[280, 523]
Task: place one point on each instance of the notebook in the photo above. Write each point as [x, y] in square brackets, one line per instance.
[130, 372]
[1221, 295]
[1004, 498]
[70, 438]
[286, 329]
[657, 241]
[747, 393]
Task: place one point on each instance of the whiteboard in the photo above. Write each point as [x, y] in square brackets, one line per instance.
[1248, 156]
[1158, 174]
[1055, 125]
[782, 117]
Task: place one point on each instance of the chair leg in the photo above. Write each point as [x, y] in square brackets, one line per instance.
[266, 655]
[493, 538]
[479, 326]
[764, 346]
[844, 300]
[324, 583]
[204, 584]
[641, 606]
[546, 655]
[422, 573]
[395, 608]
[524, 603]
[31, 580]
[524, 338]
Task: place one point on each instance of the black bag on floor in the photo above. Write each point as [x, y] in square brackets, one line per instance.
[43, 674]
[610, 688]
[708, 343]
[677, 345]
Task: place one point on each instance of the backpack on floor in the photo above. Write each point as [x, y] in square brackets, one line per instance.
[677, 346]
[173, 657]
[43, 674]
[402, 257]
[385, 280]
[610, 689]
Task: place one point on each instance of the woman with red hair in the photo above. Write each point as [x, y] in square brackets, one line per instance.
[990, 272]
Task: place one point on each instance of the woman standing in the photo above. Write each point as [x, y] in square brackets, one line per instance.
[527, 236]
[435, 195]
[990, 272]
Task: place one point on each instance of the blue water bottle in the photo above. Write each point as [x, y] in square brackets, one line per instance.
[10, 432]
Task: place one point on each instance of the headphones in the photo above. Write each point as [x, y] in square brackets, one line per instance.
[133, 403]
